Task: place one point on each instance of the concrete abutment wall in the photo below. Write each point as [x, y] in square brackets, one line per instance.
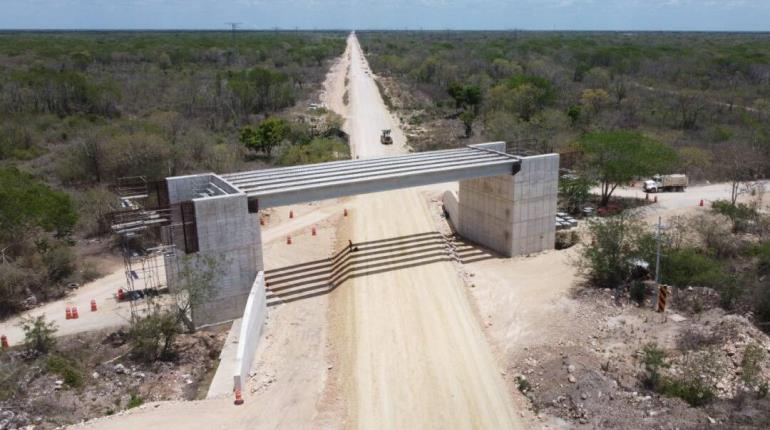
[226, 232]
[512, 215]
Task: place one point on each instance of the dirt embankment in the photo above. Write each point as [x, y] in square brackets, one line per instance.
[93, 374]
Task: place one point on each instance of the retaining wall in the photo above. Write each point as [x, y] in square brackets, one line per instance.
[251, 330]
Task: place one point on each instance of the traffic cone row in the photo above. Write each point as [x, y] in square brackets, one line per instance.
[71, 312]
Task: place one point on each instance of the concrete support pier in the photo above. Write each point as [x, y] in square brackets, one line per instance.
[216, 222]
[512, 214]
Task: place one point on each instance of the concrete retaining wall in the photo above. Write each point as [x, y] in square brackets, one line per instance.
[251, 330]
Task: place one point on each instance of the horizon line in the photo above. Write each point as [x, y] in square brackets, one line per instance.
[318, 29]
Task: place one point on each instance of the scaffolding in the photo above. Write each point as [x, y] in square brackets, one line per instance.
[143, 227]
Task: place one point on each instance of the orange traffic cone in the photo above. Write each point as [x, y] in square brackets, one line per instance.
[261, 221]
[701, 203]
[345, 212]
[74, 312]
[3, 342]
[93, 305]
[291, 214]
[238, 397]
[68, 313]
[312, 231]
[288, 240]
[121, 294]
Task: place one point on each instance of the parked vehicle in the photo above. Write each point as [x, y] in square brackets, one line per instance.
[660, 183]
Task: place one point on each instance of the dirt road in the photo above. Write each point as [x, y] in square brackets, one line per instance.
[410, 342]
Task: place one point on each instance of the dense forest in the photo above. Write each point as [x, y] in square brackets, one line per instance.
[705, 95]
[80, 109]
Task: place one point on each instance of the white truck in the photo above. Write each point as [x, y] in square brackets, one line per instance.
[660, 183]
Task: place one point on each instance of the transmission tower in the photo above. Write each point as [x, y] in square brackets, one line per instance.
[234, 27]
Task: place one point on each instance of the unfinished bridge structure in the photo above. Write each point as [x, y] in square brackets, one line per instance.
[505, 203]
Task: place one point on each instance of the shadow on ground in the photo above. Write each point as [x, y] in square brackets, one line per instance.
[314, 278]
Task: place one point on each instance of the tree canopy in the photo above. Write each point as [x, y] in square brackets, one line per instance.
[618, 157]
[24, 200]
[268, 134]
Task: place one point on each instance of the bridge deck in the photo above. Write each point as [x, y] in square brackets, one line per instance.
[288, 185]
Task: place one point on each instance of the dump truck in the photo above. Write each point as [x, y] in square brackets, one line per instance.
[660, 183]
[385, 138]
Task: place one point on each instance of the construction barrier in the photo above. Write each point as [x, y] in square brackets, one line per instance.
[93, 305]
[251, 330]
[662, 298]
[3, 342]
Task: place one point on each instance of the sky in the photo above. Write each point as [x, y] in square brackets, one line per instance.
[675, 15]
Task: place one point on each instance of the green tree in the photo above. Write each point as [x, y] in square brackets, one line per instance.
[618, 157]
[268, 134]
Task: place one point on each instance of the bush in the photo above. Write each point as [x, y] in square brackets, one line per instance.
[67, 369]
[689, 386]
[688, 266]
[151, 337]
[317, 151]
[694, 391]
[741, 215]
[59, 261]
[39, 334]
[617, 242]
[654, 359]
[134, 401]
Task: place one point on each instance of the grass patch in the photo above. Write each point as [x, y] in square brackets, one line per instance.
[135, 401]
[69, 371]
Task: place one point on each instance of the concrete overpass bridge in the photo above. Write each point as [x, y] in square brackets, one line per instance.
[505, 202]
